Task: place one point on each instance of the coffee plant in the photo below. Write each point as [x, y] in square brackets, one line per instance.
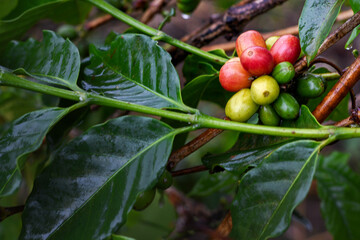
[92, 135]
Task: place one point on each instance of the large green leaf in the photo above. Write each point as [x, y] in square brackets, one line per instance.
[93, 181]
[339, 191]
[134, 69]
[23, 136]
[315, 23]
[269, 193]
[54, 60]
[27, 13]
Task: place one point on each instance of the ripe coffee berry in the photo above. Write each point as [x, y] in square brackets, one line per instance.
[257, 61]
[233, 76]
[249, 39]
[286, 49]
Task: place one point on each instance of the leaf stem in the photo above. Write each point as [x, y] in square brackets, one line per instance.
[108, 8]
[197, 120]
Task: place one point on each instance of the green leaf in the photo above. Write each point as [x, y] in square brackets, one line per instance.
[339, 190]
[355, 5]
[316, 20]
[53, 61]
[305, 120]
[94, 180]
[7, 6]
[194, 90]
[355, 32]
[27, 13]
[238, 161]
[134, 69]
[195, 66]
[119, 237]
[269, 193]
[23, 136]
[212, 183]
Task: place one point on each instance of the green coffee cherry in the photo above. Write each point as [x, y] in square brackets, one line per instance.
[67, 31]
[144, 199]
[165, 181]
[264, 90]
[310, 86]
[241, 107]
[284, 72]
[268, 116]
[286, 106]
[187, 6]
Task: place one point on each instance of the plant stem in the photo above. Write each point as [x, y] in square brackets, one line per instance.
[196, 120]
[159, 35]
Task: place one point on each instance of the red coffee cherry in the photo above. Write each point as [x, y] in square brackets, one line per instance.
[286, 49]
[249, 39]
[257, 61]
[233, 76]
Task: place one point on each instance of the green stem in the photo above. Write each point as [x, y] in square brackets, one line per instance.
[330, 76]
[196, 120]
[159, 35]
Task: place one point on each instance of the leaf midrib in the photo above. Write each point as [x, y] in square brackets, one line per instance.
[180, 105]
[287, 192]
[173, 132]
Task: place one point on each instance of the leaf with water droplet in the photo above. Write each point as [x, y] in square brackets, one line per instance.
[315, 23]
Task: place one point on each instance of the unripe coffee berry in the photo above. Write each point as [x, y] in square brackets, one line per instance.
[241, 107]
[286, 106]
[284, 72]
[264, 90]
[268, 116]
[257, 61]
[144, 199]
[248, 39]
[310, 86]
[233, 76]
[270, 41]
[286, 49]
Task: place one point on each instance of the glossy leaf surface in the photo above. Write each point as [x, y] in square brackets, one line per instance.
[93, 181]
[315, 23]
[212, 183]
[54, 60]
[339, 190]
[269, 193]
[134, 69]
[23, 136]
[27, 13]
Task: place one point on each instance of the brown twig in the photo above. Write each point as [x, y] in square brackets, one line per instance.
[294, 30]
[189, 170]
[9, 211]
[154, 8]
[353, 119]
[338, 92]
[225, 226]
[333, 38]
[192, 146]
[97, 22]
[230, 24]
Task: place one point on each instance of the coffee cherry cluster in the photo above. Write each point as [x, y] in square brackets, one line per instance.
[258, 74]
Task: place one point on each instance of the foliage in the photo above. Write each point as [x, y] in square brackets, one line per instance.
[87, 185]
